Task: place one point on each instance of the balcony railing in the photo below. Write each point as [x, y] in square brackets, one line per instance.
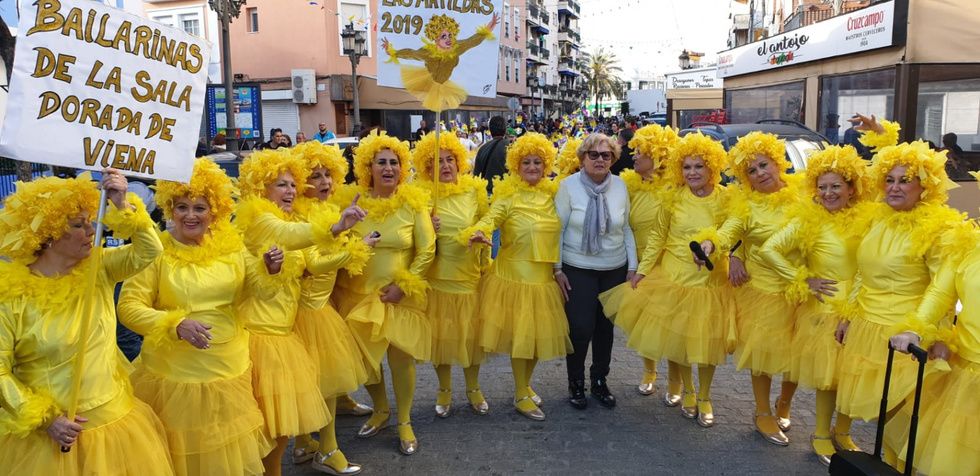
[545, 53]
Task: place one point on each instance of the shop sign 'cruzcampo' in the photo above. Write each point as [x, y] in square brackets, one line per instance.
[856, 32]
[440, 51]
[97, 87]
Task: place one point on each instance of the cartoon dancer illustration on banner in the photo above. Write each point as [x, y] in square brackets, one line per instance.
[440, 52]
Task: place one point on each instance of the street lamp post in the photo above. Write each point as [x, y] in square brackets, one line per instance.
[226, 10]
[532, 81]
[354, 42]
[685, 60]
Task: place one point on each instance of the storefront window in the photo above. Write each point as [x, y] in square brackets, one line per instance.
[782, 101]
[949, 107]
[686, 117]
[843, 96]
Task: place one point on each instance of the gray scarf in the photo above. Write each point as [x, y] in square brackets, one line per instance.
[596, 215]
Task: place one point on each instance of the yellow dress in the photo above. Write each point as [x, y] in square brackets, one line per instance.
[39, 332]
[340, 366]
[431, 84]
[828, 243]
[647, 199]
[947, 442]
[282, 369]
[678, 312]
[203, 397]
[898, 258]
[402, 256]
[454, 276]
[763, 315]
[521, 308]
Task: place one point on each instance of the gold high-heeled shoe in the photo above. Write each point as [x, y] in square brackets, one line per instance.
[672, 399]
[534, 397]
[776, 438]
[348, 406]
[706, 414]
[843, 441]
[320, 464]
[646, 389]
[408, 447]
[368, 430]
[784, 423]
[823, 458]
[536, 414]
[690, 411]
[481, 408]
[443, 411]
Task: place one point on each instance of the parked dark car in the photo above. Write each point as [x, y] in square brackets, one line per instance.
[800, 140]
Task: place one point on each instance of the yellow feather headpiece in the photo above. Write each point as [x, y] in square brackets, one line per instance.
[38, 212]
[317, 155]
[208, 181]
[697, 145]
[370, 146]
[568, 161]
[439, 23]
[756, 143]
[263, 167]
[655, 142]
[843, 161]
[531, 143]
[922, 162]
[424, 154]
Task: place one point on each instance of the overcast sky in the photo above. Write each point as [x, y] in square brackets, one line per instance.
[649, 35]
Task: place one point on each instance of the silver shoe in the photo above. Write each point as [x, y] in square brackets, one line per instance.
[320, 464]
[302, 455]
[408, 447]
[481, 408]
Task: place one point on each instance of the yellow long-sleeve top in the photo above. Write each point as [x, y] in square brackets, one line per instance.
[264, 224]
[680, 220]
[407, 246]
[456, 267]
[40, 330]
[898, 259]
[828, 243]
[441, 63]
[647, 198]
[204, 283]
[753, 218]
[530, 231]
[958, 278]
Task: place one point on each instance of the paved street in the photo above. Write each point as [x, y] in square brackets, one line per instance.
[640, 436]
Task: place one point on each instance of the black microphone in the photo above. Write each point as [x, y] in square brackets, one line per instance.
[696, 249]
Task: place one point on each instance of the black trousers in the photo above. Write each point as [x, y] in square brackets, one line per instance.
[586, 321]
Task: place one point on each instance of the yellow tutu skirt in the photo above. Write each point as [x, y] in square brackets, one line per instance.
[815, 351]
[131, 445]
[284, 385]
[340, 366]
[213, 428]
[687, 325]
[376, 325]
[455, 328]
[861, 373]
[524, 320]
[434, 96]
[764, 327]
[947, 442]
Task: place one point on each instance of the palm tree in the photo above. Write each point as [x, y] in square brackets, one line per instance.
[601, 75]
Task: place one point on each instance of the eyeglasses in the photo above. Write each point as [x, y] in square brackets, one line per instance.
[596, 155]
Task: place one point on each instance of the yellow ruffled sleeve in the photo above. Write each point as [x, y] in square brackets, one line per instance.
[137, 311]
[134, 224]
[258, 281]
[876, 141]
[775, 252]
[22, 409]
[264, 225]
[424, 235]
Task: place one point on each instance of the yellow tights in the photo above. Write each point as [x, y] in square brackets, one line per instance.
[445, 375]
[523, 369]
[674, 382]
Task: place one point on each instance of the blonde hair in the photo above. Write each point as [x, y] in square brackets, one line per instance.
[208, 181]
[655, 142]
[593, 140]
[439, 23]
[317, 155]
[843, 161]
[697, 144]
[263, 167]
[531, 143]
[368, 149]
[920, 161]
[424, 155]
[758, 143]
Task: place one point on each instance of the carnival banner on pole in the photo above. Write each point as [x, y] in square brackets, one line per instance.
[439, 51]
[97, 87]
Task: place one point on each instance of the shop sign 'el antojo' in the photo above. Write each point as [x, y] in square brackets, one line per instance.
[856, 32]
[95, 87]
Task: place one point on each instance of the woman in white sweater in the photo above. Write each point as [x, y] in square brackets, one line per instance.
[597, 253]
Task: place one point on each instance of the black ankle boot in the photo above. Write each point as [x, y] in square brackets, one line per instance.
[576, 394]
[600, 391]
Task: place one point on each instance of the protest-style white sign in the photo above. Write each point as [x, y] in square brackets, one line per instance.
[441, 52]
[96, 87]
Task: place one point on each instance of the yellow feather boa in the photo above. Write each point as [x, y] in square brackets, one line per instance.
[876, 141]
[783, 199]
[379, 208]
[322, 219]
[510, 185]
[221, 241]
[849, 222]
[413, 286]
[463, 184]
[37, 412]
[124, 223]
[925, 225]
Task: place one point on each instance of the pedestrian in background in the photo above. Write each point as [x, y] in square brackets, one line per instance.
[322, 134]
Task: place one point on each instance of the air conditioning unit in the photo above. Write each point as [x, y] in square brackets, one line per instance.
[304, 86]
